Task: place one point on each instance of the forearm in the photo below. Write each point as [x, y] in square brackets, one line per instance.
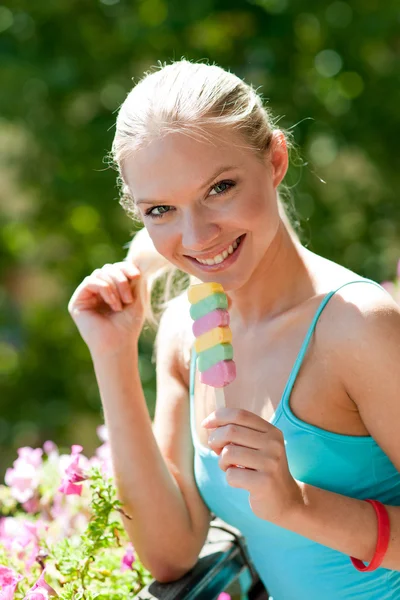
[345, 524]
[146, 488]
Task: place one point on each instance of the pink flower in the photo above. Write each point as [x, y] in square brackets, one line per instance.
[33, 456]
[40, 593]
[128, 559]
[50, 447]
[73, 473]
[102, 460]
[224, 596]
[23, 478]
[32, 505]
[8, 582]
[40, 590]
[21, 538]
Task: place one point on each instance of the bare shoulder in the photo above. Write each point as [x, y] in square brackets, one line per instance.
[174, 337]
[358, 333]
[356, 306]
[358, 337]
[358, 311]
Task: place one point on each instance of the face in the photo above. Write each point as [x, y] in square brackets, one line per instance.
[209, 207]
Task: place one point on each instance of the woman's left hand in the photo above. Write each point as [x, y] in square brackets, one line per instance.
[241, 437]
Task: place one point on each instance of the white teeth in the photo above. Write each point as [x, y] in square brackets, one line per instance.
[220, 257]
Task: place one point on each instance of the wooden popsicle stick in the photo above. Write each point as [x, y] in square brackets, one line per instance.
[220, 402]
[219, 397]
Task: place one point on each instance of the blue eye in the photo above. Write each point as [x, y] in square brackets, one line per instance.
[230, 184]
[162, 210]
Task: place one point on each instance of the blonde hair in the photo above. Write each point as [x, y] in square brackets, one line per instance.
[189, 98]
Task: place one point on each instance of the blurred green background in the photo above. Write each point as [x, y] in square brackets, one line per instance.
[328, 69]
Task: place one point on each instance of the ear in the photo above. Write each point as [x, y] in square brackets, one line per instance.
[278, 157]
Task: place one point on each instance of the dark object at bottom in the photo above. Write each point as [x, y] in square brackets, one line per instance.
[222, 561]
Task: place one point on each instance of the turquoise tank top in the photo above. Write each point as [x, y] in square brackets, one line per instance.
[291, 566]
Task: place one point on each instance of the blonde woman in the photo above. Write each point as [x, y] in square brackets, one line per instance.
[313, 414]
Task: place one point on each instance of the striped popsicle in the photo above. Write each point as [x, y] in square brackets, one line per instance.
[211, 329]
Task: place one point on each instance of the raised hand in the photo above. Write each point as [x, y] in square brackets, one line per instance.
[107, 308]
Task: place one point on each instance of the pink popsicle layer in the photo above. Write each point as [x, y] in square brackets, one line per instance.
[220, 374]
[215, 318]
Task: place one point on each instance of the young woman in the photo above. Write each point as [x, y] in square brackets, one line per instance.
[314, 411]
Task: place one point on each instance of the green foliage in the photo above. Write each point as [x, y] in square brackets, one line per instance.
[88, 562]
[8, 504]
[329, 71]
[86, 566]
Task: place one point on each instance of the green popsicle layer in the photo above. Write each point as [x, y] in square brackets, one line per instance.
[208, 304]
[214, 355]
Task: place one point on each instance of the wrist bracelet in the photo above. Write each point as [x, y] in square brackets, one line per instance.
[383, 539]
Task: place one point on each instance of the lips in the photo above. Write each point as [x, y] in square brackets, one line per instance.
[224, 262]
[221, 256]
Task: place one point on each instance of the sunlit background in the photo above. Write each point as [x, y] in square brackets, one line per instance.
[329, 71]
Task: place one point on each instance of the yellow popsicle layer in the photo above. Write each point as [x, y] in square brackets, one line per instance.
[218, 335]
[202, 290]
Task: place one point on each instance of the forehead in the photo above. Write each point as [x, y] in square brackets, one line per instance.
[178, 162]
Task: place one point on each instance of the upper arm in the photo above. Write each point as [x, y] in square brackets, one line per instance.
[171, 425]
[368, 359]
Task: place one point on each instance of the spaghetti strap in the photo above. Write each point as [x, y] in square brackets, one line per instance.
[303, 350]
[284, 404]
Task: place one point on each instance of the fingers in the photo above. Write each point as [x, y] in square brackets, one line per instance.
[111, 284]
[118, 277]
[266, 460]
[242, 478]
[239, 416]
[237, 456]
[87, 294]
[235, 434]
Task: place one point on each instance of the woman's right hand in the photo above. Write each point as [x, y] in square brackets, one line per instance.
[107, 308]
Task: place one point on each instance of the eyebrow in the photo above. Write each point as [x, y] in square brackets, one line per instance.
[218, 172]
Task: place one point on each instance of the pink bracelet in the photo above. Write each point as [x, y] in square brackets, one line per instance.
[383, 539]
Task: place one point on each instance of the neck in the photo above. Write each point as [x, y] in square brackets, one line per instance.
[280, 282]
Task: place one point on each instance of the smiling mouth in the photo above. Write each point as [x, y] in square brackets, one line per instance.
[219, 258]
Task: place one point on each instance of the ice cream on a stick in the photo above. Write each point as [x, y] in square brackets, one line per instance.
[211, 329]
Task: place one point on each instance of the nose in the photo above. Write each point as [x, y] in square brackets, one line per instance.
[199, 232]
